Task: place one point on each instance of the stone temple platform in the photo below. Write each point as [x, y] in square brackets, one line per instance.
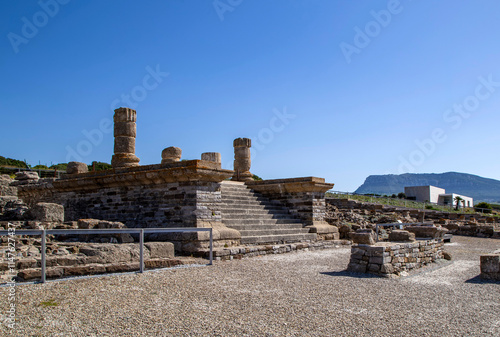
[189, 193]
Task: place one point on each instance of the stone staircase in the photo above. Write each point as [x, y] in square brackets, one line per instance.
[259, 219]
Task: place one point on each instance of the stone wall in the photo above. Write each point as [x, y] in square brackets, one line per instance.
[391, 258]
[180, 194]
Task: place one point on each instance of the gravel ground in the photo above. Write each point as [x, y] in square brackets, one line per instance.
[296, 294]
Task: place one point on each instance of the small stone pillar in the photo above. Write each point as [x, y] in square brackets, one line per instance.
[125, 133]
[211, 156]
[242, 159]
[75, 167]
[171, 154]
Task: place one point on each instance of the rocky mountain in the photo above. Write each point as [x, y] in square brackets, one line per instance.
[481, 189]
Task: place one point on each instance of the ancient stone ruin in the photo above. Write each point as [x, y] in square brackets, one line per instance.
[189, 193]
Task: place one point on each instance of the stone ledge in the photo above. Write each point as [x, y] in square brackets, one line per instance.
[193, 170]
[231, 253]
[292, 185]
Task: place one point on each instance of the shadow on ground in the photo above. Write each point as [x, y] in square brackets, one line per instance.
[479, 280]
[345, 273]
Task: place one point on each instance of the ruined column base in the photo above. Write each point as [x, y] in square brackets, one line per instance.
[324, 230]
[243, 176]
[120, 160]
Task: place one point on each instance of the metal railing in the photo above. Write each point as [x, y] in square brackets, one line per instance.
[140, 231]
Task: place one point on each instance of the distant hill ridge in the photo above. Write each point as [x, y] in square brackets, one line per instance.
[481, 189]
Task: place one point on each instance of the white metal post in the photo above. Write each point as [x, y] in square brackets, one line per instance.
[44, 252]
[141, 248]
[211, 247]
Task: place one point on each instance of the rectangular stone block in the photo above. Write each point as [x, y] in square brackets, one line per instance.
[490, 263]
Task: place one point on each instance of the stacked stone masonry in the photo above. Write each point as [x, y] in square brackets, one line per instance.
[390, 258]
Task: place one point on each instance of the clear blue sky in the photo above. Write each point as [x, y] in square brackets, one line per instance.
[335, 89]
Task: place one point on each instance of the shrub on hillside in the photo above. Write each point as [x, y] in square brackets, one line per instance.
[483, 207]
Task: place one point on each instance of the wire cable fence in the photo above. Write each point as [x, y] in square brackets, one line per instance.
[403, 202]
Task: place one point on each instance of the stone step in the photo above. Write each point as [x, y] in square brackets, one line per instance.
[260, 227]
[246, 213]
[278, 238]
[270, 208]
[259, 221]
[244, 197]
[249, 202]
[268, 232]
[263, 216]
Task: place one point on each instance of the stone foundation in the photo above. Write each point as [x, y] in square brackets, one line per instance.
[180, 194]
[244, 252]
[490, 267]
[391, 258]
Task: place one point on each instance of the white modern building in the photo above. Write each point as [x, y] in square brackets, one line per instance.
[436, 195]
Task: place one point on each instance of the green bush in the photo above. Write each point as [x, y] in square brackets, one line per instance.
[12, 162]
[59, 167]
[484, 207]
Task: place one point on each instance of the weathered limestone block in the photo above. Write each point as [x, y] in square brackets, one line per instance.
[171, 154]
[160, 249]
[490, 267]
[242, 159]
[75, 167]
[427, 231]
[125, 133]
[27, 175]
[25, 178]
[14, 209]
[112, 253]
[5, 189]
[401, 236]
[47, 212]
[211, 156]
[363, 236]
[103, 224]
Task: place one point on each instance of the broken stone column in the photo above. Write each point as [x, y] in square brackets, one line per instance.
[211, 156]
[171, 154]
[125, 133]
[75, 167]
[242, 159]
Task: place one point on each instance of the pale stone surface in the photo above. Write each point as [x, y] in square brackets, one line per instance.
[75, 167]
[160, 249]
[401, 235]
[171, 154]
[27, 175]
[211, 156]
[427, 231]
[48, 212]
[363, 236]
